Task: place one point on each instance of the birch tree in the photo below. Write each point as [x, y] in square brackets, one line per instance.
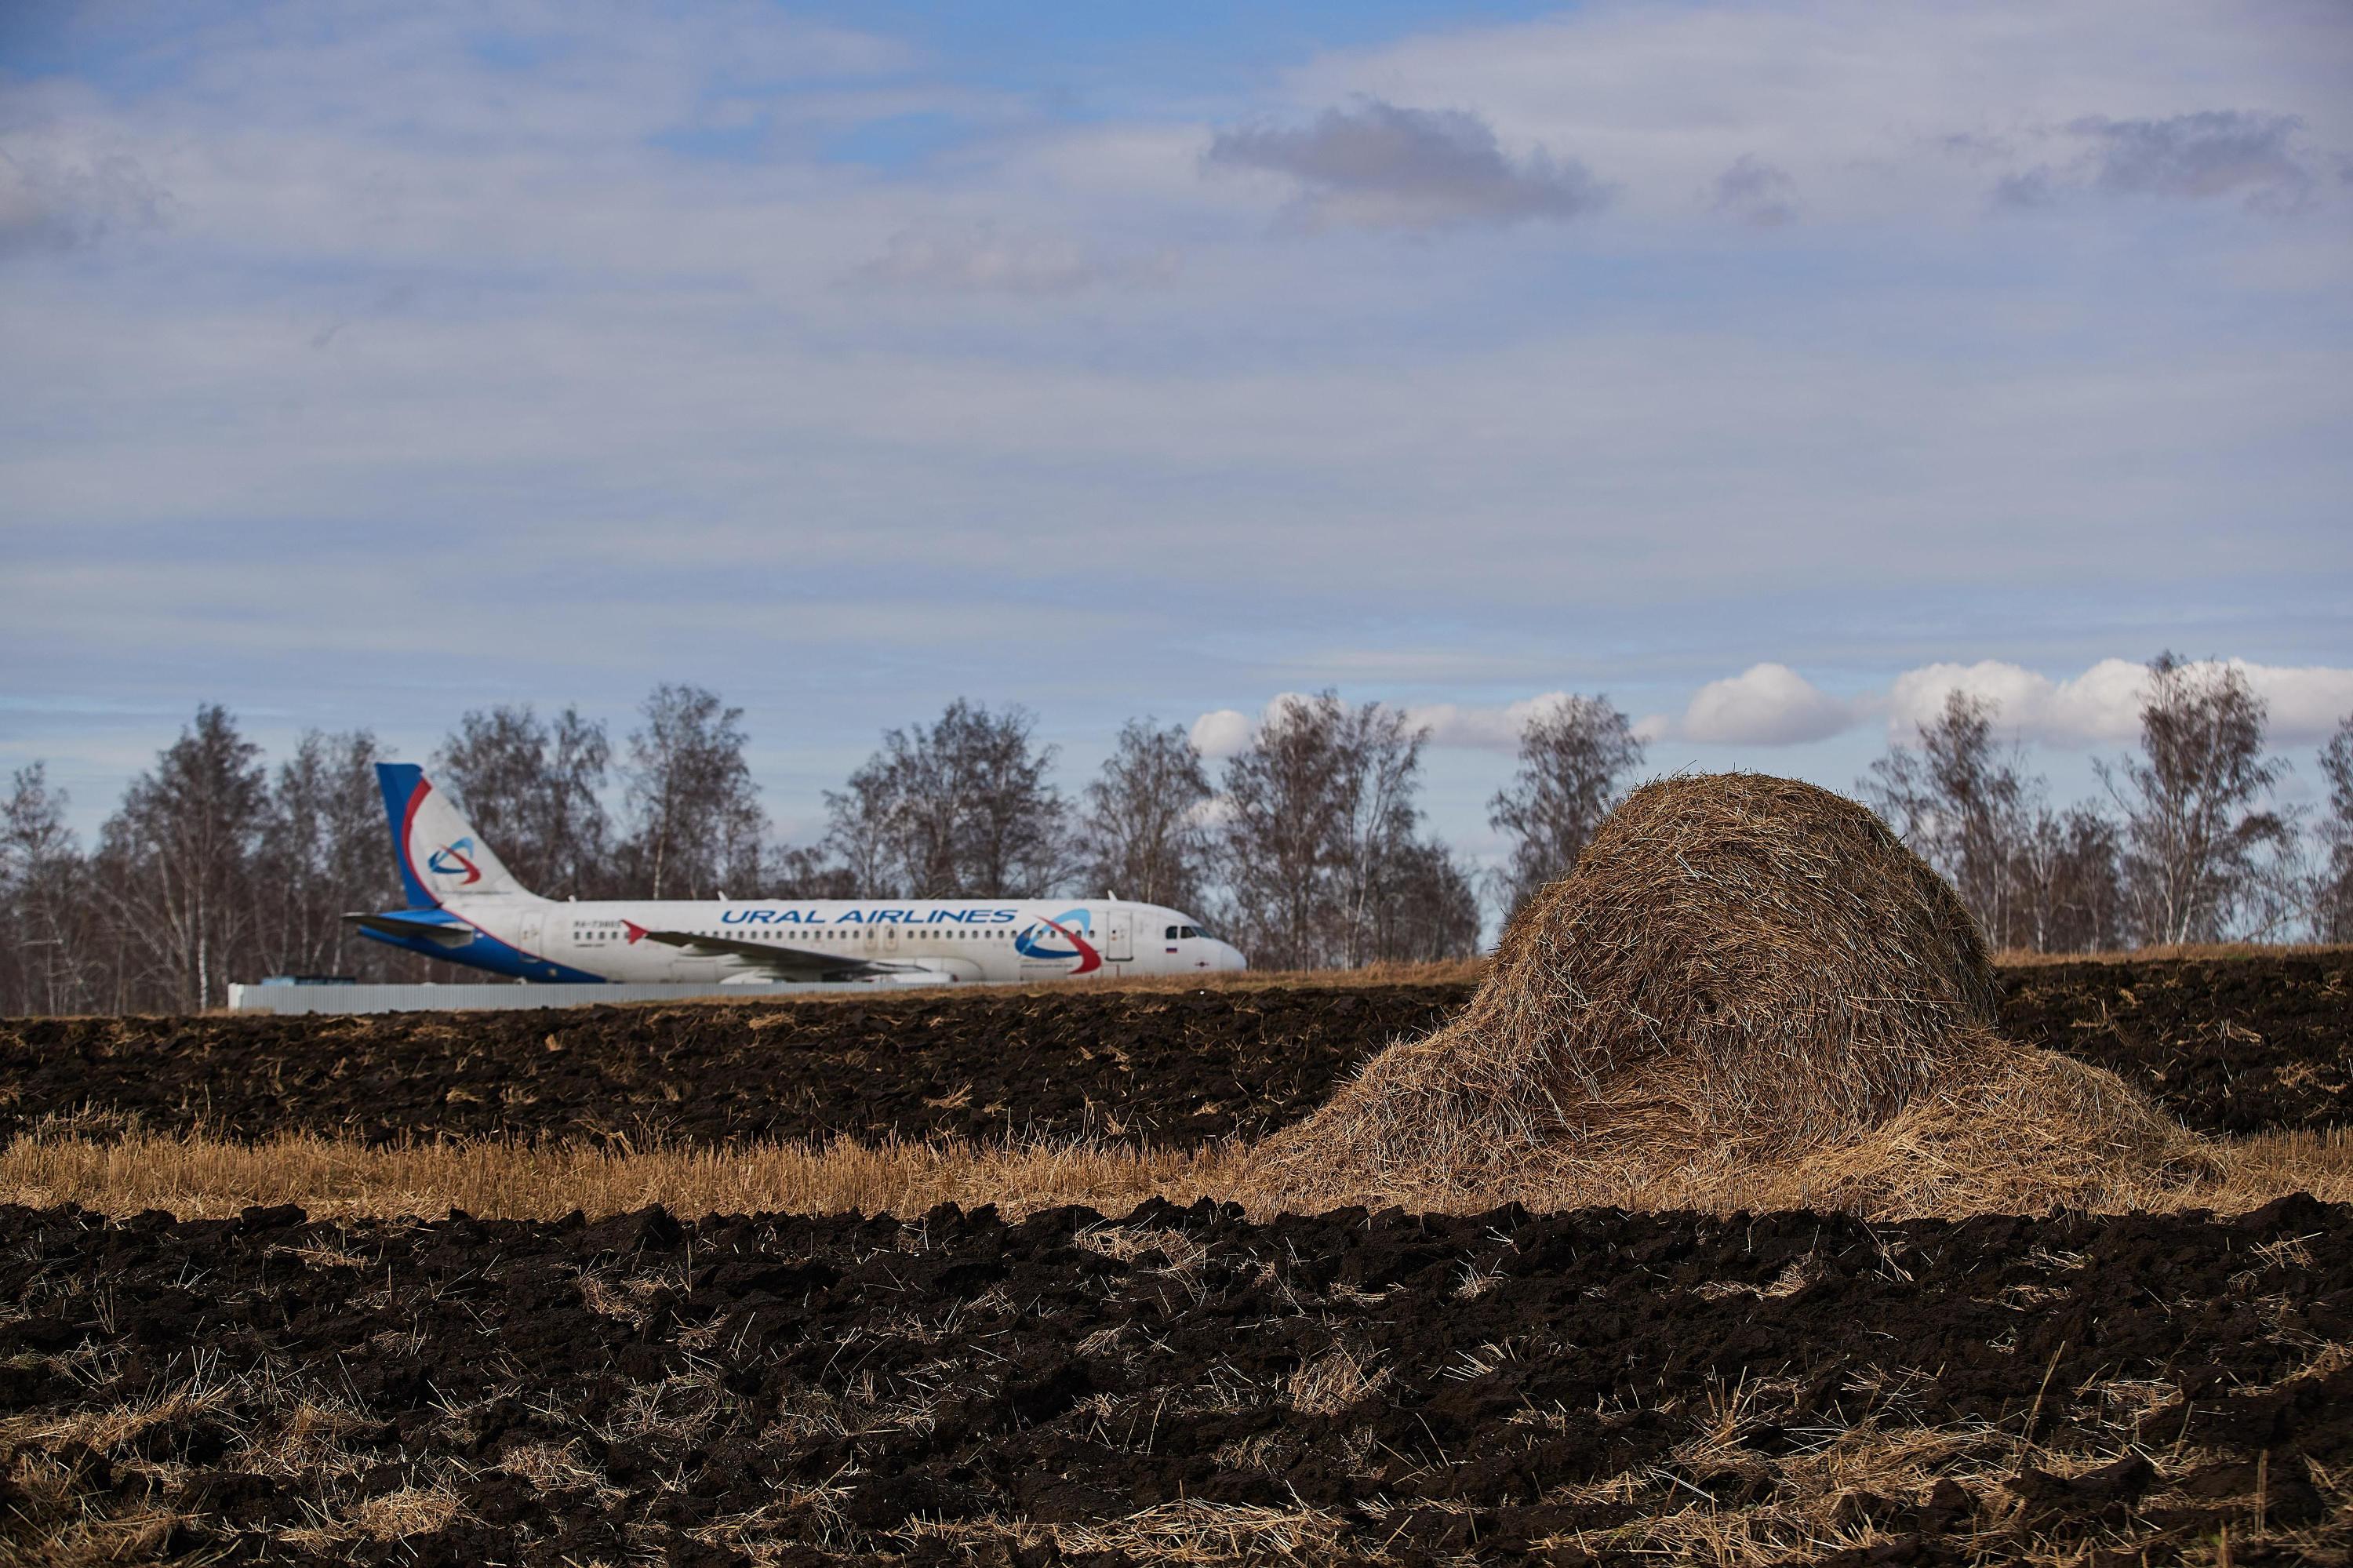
[2067, 895]
[1574, 761]
[960, 809]
[2201, 840]
[43, 899]
[2333, 906]
[1141, 832]
[180, 857]
[696, 820]
[534, 789]
[1964, 804]
[328, 855]
[1319, 833]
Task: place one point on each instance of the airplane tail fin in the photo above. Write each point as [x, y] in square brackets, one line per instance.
[440, 855]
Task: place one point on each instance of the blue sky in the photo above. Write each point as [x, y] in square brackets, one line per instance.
[1773, 368]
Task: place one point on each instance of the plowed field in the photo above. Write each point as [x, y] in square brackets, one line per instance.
[2229, 1046]
[1178, 1386]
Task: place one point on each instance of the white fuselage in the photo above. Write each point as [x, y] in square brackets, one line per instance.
[960, 939]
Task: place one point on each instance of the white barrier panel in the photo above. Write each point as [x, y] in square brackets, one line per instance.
[462, 998]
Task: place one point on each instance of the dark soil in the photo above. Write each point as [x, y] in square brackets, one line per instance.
[958, 1389]
[1170, 1066]
[2229, 1046]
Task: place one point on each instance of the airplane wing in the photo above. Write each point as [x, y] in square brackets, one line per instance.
[784, 963]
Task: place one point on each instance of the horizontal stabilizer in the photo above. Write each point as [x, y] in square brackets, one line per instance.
[416, 926]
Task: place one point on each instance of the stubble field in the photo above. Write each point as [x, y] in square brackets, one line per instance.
[1144, 1381]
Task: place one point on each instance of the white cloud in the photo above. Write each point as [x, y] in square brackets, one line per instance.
[1483, 728]
[2102, 705]
[1770, 704]
[1221, 734]
[2307, 702]
[1471, 727]
[1764, 705]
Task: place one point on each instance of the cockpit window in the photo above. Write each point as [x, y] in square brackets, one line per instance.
[1188, 930]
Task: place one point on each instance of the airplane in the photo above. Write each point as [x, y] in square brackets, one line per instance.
[465, 907]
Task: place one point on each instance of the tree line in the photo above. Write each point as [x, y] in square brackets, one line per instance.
[1308, 848]
[2187, 844]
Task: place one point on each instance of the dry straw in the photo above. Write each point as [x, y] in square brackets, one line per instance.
[1742, 973]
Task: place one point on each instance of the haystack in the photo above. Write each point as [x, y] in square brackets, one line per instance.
[1743, 975]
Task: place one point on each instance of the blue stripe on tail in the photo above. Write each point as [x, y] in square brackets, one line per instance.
[401, 782]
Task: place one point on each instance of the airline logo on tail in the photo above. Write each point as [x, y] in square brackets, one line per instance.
[440, 854]
[1033, 942]
[455, 859]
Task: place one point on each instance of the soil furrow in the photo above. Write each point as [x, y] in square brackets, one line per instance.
[1069, 1388]
[2229, 1046]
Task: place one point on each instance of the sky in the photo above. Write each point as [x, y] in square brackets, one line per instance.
[1770, 368]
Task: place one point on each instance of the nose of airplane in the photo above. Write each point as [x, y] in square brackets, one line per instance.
[1228, 957]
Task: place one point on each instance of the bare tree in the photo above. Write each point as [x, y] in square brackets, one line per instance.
[2202, 845]
[534, 791]
[1378, 816]
[327, 856]
[1574, 759]
[894, 820]
[177, 859]
[1011, 835]
[1281, 799]
[807, 872]
[1140, 831]
[2068, 896]
[962, 809]
[1319, 811]
[1962, 803]
[1428, 907]
[41, 899]
[862, 833]
[2333, 907]
[696, 820]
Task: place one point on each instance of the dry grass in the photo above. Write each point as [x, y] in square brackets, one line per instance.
[1744, 980]
[1754, 956]
[1839, 1491]
[197, 1177]
[1333, 1383]
[1179, 1534]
